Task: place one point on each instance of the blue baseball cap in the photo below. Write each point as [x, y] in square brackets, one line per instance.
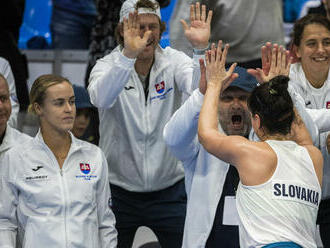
[245, 81]
[82, 97]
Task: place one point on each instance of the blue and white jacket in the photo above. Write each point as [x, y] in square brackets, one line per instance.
[55, 207]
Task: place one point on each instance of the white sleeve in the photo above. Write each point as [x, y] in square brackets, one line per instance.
[187, 72]
[106, 218]
[299, 104]
[180, 133]
[6, 71]
[321, 118]
[8, 206]
[108, 78]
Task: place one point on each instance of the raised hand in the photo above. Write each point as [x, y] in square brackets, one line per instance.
[275, 61]
[216, 73]
[198, 33]
[202, 80]
[133, 43]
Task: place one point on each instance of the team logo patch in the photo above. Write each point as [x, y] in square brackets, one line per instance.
[160, 87]
[327, 105]
[85, 168]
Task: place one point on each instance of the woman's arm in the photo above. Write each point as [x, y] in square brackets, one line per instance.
[218, 79]
[106, 218]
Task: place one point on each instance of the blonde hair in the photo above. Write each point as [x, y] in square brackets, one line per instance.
[39, 87]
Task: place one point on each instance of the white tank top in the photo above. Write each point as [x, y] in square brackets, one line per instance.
[285, 207]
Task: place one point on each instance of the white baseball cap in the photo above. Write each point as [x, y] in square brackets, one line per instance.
[129, 6]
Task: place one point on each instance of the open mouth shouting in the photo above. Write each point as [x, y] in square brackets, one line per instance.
[236, 121]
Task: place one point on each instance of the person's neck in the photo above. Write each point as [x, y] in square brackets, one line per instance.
[58, 142]
[143, 66]
[316, 79]
[264, 135]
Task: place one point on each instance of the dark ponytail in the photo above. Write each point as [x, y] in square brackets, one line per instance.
[273, 103]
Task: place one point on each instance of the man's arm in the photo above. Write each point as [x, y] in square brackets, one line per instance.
[198, 33]
[180, 133]
[110, 74]
[108, 78]
[8, 205]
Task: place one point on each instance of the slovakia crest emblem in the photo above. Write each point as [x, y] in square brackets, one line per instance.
[160, 87]
[328, 105]
[85, 168]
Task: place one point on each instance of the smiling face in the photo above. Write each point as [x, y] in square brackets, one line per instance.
[314, 49]
[234, 116]
[57, 112]
[149, 22]
[5, 105]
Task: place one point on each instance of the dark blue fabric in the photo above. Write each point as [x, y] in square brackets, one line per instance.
[223, 235]
[85, 7]
[162, 211]
[70, 31]
[282, 245]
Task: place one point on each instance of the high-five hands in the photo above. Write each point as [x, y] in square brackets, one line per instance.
[198, 33]
[276, 61]
[216, 73]
[133, 43]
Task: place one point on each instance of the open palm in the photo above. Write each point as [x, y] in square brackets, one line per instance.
[199, 30]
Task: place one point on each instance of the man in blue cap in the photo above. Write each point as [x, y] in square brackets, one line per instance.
[210, 183]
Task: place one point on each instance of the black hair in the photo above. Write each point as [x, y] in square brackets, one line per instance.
[273, 103]
[300, 25]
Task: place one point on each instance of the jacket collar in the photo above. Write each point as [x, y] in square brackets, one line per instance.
[301, 77]
[8, 139]
[161, 61]
[75, 143]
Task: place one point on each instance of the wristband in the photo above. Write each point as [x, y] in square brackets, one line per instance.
[200, 51]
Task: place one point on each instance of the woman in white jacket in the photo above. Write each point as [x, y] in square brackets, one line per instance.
[55, 187]
[310, 78]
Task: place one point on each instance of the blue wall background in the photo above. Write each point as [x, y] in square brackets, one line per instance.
[37, 19]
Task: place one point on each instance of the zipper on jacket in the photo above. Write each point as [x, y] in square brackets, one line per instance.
[65, 207]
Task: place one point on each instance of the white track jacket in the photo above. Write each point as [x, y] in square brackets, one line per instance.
[55, 207]
[204, 173]
[12, 137]
[131, 126]
[318, 103]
